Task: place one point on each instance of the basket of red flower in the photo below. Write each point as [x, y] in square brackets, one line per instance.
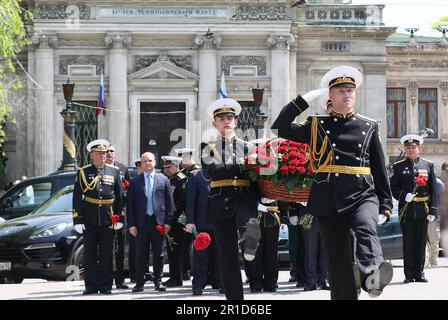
[282, 169]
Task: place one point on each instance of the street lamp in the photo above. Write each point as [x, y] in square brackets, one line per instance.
[69, 141]
[260, 117]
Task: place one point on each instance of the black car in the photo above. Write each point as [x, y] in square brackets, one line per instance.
[29, 194]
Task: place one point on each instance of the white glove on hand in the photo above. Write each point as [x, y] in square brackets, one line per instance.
[293, 220]
[381, 219]
[431, 217]
[262, 207]
[313, 94]
[118, 226]
[409, 197]
[79, 228]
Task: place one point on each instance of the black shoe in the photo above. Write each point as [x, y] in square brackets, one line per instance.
[255, 290]
[197, 292]
[292, 279]
[252, 237]
[300, 285]
[408, 280]
[121, 286]
[310, 287]
[324, 286]
[186, 277]
[173, 283]
[221, 290]
[270, 289]
[138, 287]
[89, 291]
[386, 273]
[106, 291]
[422, 279]
[159, 285]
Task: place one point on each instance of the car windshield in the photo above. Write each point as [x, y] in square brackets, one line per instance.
[60, 202]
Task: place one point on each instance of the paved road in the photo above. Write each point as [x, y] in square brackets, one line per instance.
[35, 289]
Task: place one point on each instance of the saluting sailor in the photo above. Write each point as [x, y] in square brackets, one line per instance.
[351, 187]
[97, 196]
[420, 202]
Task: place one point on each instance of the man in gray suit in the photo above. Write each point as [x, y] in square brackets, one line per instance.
[149, 203]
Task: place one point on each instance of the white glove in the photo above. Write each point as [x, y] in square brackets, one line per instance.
[262, 207]
[431, 217]
[381, 219]
[293, 220]
[118, 226]
[79, 228]
[409, 197]
[313, 94]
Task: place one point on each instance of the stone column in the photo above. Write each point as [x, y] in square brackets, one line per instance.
[412, 111]
[208, 65]
[279, 45]
[443, 110]
[117, 111]
[293, 71]
[373, 103]
[44, 112]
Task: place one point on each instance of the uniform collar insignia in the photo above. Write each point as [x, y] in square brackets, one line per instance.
[351, 114]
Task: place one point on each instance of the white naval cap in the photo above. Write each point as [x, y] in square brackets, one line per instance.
[170, 160]
[222, 106]
[183, 151]
[342, 76]
[411, 138]
[98, 145]
[325, 101]
[138, 161]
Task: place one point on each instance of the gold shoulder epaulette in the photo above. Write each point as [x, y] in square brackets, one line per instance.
[181, 175]
[399, 161]
[427, 160]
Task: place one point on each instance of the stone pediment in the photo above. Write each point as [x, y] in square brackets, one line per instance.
[163, 69]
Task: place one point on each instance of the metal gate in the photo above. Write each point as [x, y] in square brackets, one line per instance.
[86, 129]
[245, 128]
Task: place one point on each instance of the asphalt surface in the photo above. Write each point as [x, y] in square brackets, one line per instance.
[37, 289]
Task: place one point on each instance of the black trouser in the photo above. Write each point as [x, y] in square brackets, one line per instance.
[336, 232]
[131, 256]
[227, 242]
[148, 237]
[205, 266]
[263, 269]
[119, 256]
[186, 254]
[414, 246]
[98, 248]
[176, 252]
[316, 261]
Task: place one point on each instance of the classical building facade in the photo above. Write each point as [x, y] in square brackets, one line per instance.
[162, 63]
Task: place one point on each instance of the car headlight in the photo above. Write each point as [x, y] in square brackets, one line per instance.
[49, 232]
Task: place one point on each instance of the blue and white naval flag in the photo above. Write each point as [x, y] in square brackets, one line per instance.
[222, 88]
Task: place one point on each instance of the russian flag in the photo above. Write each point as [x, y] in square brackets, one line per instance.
[222, 88]
[100, 105]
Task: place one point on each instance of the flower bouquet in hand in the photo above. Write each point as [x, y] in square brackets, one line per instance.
[163, 232]
[202, 240]
[283, 170]
[420, 181]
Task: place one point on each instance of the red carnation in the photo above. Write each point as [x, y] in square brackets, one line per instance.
[115, 218]
[161, 229]
[202, 241]
[420, 181]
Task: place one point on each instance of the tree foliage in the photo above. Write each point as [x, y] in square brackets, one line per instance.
[441, 23]
[13, 38]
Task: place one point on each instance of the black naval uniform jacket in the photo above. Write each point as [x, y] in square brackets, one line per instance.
[221, 159]
[179, 183]
[402, 182]
[101, 184]
[354, 141]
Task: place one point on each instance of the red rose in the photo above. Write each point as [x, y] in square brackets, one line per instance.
[285, 158]
[202, 241]
[301, 169]
[292, 168]
[294, 155]
[257, 170]
[115, 218]
[282, 149]
[284, 169]
[292, 149]
[310, 169]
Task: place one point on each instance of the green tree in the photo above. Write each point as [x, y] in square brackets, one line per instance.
[13, 38]
[441, 23]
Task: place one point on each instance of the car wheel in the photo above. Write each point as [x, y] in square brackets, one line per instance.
[78, 260]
